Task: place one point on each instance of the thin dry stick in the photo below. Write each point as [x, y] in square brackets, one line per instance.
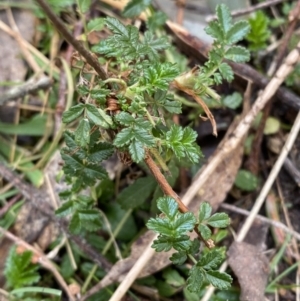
[31, 48]
[273, 174]
[266, 220]
[27, 55]
[42, 259]
[133, 273]
[265, 190]
[60, 26]
[30, 86]
[245, 11]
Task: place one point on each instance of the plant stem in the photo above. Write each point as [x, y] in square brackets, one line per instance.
[163, 183]
[60, 26]
[192, 258]
[168, 190]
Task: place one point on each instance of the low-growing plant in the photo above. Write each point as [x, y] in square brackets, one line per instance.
[128, 110]
[129, 113]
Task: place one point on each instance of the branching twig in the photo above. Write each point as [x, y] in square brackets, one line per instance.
[60, 26]
[245, 11]
[42, 259]
[266, 220]
[30, 86]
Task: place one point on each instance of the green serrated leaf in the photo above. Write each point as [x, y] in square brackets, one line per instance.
[224, 17]
[135, 7]
[211, 260]
[86, 173]
[204, 231]
[137, 151]
[245, 180]
[172, 106]
[237, 54]
[259, 33]
[144, 137]
[73, 113]
[152, 45]
[137, 193]
[178, 258]
[124, 137]
[233, 101]
[168, 206]
[99, 152]
[237, 32]
[159, 75]
[98, 116]
[82, 133]
[226, 72]
[185, 222]
[214, 29]
[218, 279]
[156, 20]
[84, 5]
[19, 271]
[66, 209]
[204, 211]
[195, 279]
[160, 225]
[219, 220]
[125, 118]
[86, 219]
[116, 26]
[96, 24]
[166, 243]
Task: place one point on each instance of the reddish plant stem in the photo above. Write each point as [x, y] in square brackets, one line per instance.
[163, 183]
[168, 190]
[60, 26]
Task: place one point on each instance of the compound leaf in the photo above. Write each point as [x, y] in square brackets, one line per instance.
[19, 271]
